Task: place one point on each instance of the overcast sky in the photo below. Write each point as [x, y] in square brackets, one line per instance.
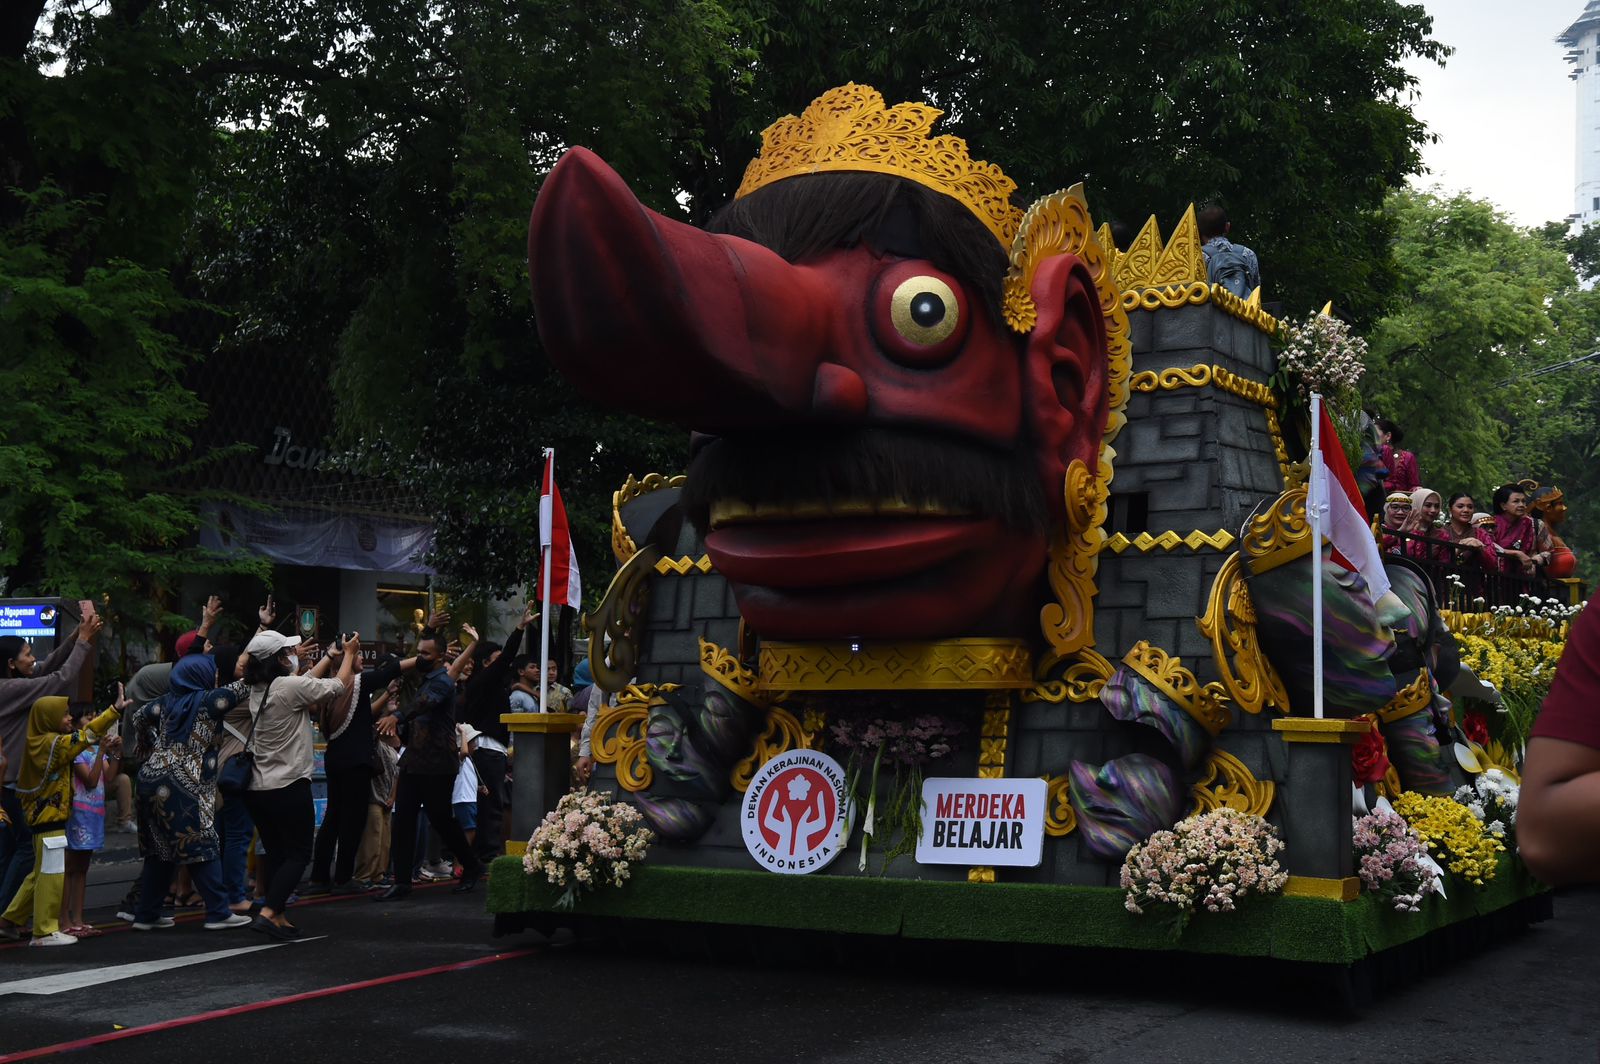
[1502, 105]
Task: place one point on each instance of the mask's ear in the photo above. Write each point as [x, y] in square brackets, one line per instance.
[1065, 366]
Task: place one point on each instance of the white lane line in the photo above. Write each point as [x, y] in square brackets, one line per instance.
[60, 984]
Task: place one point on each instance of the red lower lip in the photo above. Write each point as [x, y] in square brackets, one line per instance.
[810, 555]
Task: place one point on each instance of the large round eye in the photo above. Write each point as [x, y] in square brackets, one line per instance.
[920, 317]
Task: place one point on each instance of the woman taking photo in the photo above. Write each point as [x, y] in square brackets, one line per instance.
[279, 797]
[177, 792]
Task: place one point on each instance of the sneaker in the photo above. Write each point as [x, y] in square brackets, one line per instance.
[54, 938]
[440, 869]
[161, 922]
[428, 875]
[235, 920]
[126, 915]
[130, 828]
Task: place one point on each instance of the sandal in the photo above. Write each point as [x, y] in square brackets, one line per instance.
[192, 900]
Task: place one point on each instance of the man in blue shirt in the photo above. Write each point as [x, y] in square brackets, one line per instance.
[1231, 265]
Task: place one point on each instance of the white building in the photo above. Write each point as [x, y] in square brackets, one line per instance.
[1582, 40]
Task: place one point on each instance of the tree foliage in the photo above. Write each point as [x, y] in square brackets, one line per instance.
[350, 181]
[1465, 361]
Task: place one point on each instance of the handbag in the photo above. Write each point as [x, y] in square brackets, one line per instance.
[236, 774]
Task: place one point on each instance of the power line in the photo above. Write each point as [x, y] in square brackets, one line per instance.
[1542, 370]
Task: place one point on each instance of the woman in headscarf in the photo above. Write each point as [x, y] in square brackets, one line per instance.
[177, 792]
[1432, 543]
[44, 784]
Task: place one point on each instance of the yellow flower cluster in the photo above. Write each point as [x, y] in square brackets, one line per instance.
[1513, 665]
[1454, 836]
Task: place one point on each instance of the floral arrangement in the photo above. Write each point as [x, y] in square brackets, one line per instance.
[1210, 862]
[1492, 798]
[1321, 354]
[908, 746]
[1514, 648]
[1454, 836]
[588, 840]
[1393, 860]
[1369, 758]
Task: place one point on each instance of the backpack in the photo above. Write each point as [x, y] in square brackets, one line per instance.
[1227, 267]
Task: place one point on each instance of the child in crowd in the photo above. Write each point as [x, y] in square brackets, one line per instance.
[372, 859]
[44, 787]
[92, 770]
[464, 799]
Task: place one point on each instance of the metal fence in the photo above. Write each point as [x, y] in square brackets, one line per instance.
[1442, 560]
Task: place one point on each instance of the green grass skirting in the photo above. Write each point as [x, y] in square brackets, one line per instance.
[1286, 928]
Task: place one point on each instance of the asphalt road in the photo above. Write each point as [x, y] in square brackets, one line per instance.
[426, 981]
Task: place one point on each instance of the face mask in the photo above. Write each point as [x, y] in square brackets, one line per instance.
[294, 663]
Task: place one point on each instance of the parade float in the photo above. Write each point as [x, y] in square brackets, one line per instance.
[983, 604]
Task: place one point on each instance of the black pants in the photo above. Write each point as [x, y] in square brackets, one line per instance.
[431, 792]
[491, 766]
[286, 821]
[343, 822]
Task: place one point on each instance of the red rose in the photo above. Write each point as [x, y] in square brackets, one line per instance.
[1476, 727]
[1369, 758]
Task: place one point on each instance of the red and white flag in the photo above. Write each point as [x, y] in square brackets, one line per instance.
[1343, 522]
[561, 584]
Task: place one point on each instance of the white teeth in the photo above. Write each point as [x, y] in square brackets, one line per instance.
[735, 511]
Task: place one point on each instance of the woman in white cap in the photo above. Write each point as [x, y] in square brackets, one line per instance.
[279, 797]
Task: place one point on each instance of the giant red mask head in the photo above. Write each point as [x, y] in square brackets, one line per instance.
[878, 456]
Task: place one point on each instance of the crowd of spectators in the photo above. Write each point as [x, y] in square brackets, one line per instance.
[210, 759]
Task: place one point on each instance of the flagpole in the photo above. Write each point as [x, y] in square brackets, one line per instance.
[1315, 489]
[546, 521]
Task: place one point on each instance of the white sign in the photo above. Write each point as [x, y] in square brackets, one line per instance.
[794, 812]
[982, 822]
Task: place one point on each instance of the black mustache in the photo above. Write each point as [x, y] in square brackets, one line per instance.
[842, 465]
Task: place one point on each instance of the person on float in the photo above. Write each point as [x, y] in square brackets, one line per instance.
[44, 784]
[1513, 532]
[1396, 513]
[1432, 543]
[1558, 809]
[1549, 506]
[1402, 465]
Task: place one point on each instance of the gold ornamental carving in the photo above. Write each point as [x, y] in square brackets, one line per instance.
[1168, 675]
[851, 129]
[948, 664]
[1229, 623]
[618, 737]
[1068, 621]
[1280, 534]
[782, 734]
[723, 666]
[683, 566]
[1228, 784]
[1144, 542]
[1246, 310]
[1082, 682]
[1060, 818]
[622, 545]
[993, 735]
[616, 624]
[1409, 700]
[1150, 263]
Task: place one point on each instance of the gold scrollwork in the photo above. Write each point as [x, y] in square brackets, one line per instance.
[1257, 392]
[1228, 784]
[993, 735]
[1068, 621]
[1411, 699]
[614, 627]
[1059, 818]
[1172, 378]
[1230, 624]
[1144, 542]
[622, 545]
[948, 664]
[783, 733]
[1280, 534]
[1168, 675]
[1082, 682]
[1246, 310]
[1170, 297]
[1280, 449]
[723, 666]
[618, 737]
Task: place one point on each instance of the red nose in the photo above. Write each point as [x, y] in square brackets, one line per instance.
[662, 319]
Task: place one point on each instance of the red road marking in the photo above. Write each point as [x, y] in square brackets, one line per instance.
[255, 1006]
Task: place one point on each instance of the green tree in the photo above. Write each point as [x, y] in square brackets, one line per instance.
[1464, 362]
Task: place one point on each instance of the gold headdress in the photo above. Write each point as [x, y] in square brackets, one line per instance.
[850, 129]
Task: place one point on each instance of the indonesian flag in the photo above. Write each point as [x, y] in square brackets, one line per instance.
[556, 540]
[1344, 523]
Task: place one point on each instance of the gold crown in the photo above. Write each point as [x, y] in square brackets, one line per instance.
[1169, 677]
[849, 129]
